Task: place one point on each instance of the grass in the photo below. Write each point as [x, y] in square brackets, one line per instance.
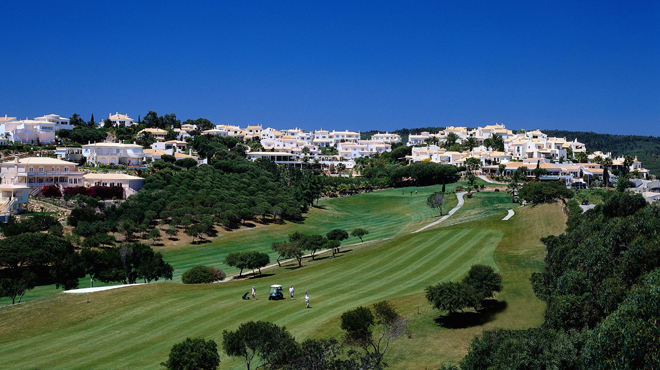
[136, 327]
[594, 196]
[384, 214]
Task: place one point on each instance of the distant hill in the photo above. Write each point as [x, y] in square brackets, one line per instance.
[646, 148]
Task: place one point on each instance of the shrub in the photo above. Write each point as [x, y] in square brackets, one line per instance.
[198, 275]
[194, 353]
[218, 274]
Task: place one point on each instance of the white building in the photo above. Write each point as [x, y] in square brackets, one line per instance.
[119, 119]
[40, 171]
[28, 131]
[386, 138]
[61, 123]
[113, 153]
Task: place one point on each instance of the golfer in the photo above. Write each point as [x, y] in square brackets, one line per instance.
[306, 300]
[291, 292]
[254, 293]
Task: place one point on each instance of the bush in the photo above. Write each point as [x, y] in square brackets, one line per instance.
[194, 353]
[198, 275]
[218, 274]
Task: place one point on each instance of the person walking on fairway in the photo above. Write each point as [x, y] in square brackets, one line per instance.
[306, 300]
[254, 293]
[291, 292]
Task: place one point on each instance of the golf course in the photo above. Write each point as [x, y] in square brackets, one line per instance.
[136, 327]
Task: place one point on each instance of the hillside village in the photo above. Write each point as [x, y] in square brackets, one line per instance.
[498, 150]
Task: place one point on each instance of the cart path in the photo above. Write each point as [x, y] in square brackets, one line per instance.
[489, 180]
[100, 288]
[507, 217]
[451, 212]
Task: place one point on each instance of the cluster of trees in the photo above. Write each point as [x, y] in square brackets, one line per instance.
[202, 275]
[260, 344]
[29, 257]
[298, 243]
[480, 283]
[100, 192]
[247, 260]
[196, 199]
[600, 281]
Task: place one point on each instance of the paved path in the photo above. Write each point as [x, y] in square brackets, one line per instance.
[451, 212]
[507, 217]
[490, 181]
[99, 289]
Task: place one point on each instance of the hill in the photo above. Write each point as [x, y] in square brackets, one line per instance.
[136, 327]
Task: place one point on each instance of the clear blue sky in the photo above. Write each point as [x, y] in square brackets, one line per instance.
[578, 65]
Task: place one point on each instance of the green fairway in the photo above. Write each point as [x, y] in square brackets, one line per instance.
[135, 327]
[383, 213]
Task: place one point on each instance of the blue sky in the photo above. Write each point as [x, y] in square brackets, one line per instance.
[587, 65]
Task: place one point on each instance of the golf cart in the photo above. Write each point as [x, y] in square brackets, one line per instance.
[275, 293]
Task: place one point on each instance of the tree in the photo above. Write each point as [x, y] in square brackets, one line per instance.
[257, 260]
[198, 275]
[627, 162]
[336, 235]
[238, 260]
[171, 232]
[451, 297]
[269, 344]
[138, 261]
[470, 143]
[17, 287]
[451, 139]
[196, 231]
[76, 120]
[359, 324]
[186, 162]
[146, 139]
[526, 349]
[513, 188]
[193, 354]
[484, 280]
[542, 192]
[624, 183]
[359, 232]
[435, 201]
[629, 338]
[500, 169]
[310, 243]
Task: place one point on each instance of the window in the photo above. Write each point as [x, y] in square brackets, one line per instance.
[41, 169]
[31, 169]
[52, 169]
[66, 169]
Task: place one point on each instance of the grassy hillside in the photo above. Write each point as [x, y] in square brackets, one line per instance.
[383, 213]
[135, 327]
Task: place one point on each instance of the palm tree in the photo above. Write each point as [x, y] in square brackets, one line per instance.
[513, 188]
[470, 143]
[451, 139]
[581, 157]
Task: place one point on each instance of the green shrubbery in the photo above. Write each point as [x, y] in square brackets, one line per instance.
[202, 275]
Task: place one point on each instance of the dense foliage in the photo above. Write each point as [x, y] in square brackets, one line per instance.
[601, 281]
[200, 275]
[193, 354]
